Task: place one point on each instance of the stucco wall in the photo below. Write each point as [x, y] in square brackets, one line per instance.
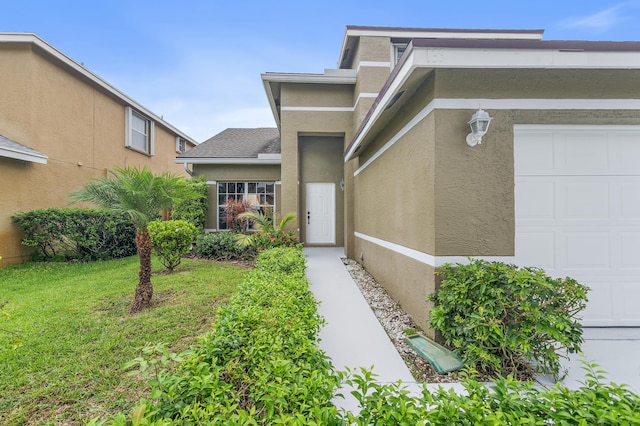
[460, 199]
[78, 126]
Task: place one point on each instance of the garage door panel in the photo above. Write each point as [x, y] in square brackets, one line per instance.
[625, 151]
[584, 251]
[627, 295]
[591, 232]
[585, 200]
[628, 200]
[585, 151]
[536, 249]
[628, 253]
[535, 153]
[537, 199]
[600, 313]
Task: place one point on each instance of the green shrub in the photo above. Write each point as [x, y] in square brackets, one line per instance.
[265, 240]
[259, 365]
[502, 319]
[171, 240]
[285, 260]
[506, 402]
[193, 210]
[221, 246]
[77, 234]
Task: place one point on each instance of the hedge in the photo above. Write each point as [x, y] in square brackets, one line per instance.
[77, 234]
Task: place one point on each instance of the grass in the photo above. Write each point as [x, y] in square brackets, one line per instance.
[76, 332]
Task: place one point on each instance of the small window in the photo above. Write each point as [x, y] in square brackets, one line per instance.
[139, 132]
[181, 145]
[397, 51]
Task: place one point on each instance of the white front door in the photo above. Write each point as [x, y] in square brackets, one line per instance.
[321, 213]
[577, 212]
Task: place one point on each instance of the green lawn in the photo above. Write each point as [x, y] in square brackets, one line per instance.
[76, 332]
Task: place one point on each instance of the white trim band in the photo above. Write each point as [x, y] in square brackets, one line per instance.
[428, 259]
[502, 104]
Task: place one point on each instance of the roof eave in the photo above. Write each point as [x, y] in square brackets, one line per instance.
[498, 58]
[33, 157]
[227, 161]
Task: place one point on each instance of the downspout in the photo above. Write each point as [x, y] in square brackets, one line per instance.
[186, 169]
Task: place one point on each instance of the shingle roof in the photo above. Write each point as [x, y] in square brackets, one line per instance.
[13, 149]
[238, 143]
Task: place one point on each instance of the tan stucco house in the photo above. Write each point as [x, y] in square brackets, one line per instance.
[61, 124]
[375, 157]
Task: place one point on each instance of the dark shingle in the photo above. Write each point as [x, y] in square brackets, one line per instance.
[238, 143]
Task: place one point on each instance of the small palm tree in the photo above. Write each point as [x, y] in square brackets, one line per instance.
[142, 196]
[264, 222]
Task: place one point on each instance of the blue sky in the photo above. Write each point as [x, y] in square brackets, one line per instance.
[198, 63]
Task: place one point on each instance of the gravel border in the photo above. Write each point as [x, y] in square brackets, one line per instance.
[395, 321]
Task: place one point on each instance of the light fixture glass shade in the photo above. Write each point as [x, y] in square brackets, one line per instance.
[479, 125]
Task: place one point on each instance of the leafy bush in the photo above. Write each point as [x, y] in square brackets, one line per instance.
[171, 240]
[508, 320]
[259, 365]
[507, 402]
[221, 246]
[282, 260]
[193, 210]
[270, 232]
[265, 240]
[78, 234]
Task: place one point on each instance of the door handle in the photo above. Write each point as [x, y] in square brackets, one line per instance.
[308, 218]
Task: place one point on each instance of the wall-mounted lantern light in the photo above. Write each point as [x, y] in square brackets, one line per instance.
[479, 124]
[342, 184]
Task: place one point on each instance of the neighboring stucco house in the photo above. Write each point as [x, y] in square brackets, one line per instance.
[375, 158]
[60, 124]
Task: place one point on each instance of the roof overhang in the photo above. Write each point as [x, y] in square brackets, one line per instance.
[24, 155]
[272, 83]
[354, 32]
[423, 56]
[43, 46]
[264, 159]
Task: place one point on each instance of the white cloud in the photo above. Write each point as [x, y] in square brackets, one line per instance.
[599, 22]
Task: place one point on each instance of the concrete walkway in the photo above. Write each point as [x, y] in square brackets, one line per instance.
[354, 338]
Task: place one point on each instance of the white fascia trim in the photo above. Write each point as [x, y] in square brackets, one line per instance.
[51, 50]
[504, 104]
[309, 78]
[403, 74]
[227, 161]
[428, 259]
[269, 156]
[442, 34]
[461, 58]
[212, 182]
[23, 156]
[317, 109]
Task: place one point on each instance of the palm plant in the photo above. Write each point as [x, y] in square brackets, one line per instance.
[265, 223]
[142, 196]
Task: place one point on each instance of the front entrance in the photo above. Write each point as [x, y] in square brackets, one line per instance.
[320, 213]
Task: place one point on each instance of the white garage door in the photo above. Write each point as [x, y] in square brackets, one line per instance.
[577, 212]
